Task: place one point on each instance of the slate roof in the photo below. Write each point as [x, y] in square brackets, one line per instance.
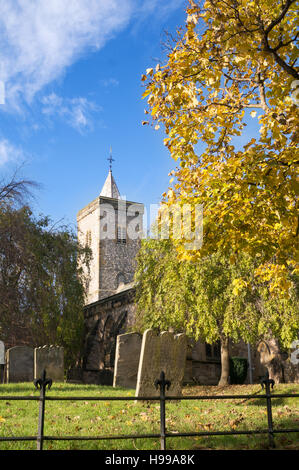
[110, 188]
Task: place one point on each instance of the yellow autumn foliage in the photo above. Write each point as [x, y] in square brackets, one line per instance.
[234, 64]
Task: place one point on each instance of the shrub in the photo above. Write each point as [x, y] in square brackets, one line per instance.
[238, 369]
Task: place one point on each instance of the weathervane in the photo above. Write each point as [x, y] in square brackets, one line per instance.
[110, 159]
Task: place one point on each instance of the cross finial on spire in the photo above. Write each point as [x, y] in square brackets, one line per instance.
[110, 159]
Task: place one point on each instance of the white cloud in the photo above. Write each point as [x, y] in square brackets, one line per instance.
[40, 39]
[8, 152]
[77, 112]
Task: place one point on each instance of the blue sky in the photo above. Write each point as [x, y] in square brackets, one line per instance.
[72, 73]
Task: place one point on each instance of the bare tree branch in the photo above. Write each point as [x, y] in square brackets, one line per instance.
[16, 191]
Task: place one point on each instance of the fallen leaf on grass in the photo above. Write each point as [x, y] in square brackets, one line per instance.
[208, 426]
[144, 416]
[234, 422]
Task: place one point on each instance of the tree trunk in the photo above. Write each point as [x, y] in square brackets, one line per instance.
[224, 379]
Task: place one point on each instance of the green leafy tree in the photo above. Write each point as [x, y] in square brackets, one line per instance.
[42, 289]
[200, 299]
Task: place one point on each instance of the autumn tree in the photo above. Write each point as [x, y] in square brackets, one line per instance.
[199, 298]
[232, 63]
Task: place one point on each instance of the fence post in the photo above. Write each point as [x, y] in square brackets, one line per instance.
[42, 385]
[267, 382]
[162, 384]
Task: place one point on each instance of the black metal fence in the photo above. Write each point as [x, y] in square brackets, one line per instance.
[43, 383]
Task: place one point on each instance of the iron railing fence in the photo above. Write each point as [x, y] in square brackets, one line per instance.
[43, 383]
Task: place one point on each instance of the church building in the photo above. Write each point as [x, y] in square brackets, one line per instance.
[112, 227]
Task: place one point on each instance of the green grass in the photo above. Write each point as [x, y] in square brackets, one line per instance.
[100, 418]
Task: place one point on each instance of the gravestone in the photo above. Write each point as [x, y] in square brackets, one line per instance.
[2, 361]
[165, 352]
[19, 361]
[51, 359]
[128, 347]
[2, 353]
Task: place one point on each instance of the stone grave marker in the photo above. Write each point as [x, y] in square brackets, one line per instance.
[19, 364]
[128, 347]
[2, 353]
[165, 352]
[50, 358]
[2, 361]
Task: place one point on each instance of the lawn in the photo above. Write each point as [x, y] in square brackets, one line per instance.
[108, 417]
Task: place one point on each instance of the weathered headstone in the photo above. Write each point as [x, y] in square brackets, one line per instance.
[128, 347]
[50, 359]
[2, 353]
[19, 364]
[2, 361]
[165, 352]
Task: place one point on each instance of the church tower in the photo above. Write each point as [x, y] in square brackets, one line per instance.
[112, 227]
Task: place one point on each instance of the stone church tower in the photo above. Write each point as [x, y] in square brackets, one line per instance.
[112, 227]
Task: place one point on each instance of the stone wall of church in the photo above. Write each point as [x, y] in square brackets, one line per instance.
[118, 265]
[104, 320]
[117, 255]
[88, 221]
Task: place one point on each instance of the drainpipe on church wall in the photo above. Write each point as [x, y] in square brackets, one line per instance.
[249, 363]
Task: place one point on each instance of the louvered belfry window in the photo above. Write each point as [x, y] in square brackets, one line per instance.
[121, 234]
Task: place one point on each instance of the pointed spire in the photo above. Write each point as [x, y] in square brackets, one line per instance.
[110, 188]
